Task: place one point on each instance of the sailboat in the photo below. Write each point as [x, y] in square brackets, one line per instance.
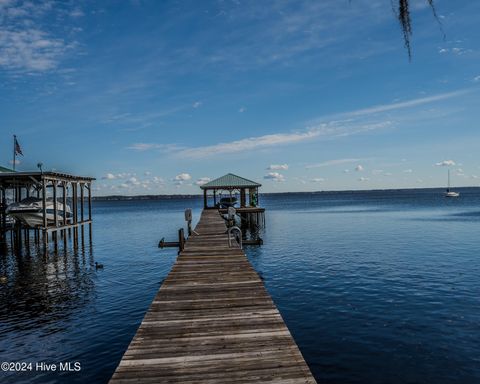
[450, 193]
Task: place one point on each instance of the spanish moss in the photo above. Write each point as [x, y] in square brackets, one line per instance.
[404, 18]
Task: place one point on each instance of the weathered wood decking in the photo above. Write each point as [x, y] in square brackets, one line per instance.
[212, 321]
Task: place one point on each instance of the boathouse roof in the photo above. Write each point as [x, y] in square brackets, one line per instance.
[9, 178]
[3, 169]
[230, 181]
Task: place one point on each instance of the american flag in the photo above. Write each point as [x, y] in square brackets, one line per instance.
[18, 150]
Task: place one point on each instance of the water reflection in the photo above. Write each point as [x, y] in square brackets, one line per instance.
[41, 286]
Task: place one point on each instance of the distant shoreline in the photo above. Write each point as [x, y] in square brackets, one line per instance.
[192, 196]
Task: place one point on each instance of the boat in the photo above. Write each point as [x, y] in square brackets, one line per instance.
[226, 202]
[29, 211]
[450, 193]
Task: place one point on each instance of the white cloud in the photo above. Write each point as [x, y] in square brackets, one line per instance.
[359, 168]
[30, 50]
[317, 180]
[141, 147]
[27, 43]
[377, 171]
[276, 167]
[158, 180]
[242, 109]
[202, 180]
[124, 175]
[124, 185]
[275, 176]
[147, 173]
[77, 12]
[325, 130]
[182, 177]
[406, 104]
[445, 163]
[332, 162]
[109, 176]
[197, 104]
[476, 78]
[346, 171]
[17, 162]
[362, 179]
[133, 181]
[408, 171]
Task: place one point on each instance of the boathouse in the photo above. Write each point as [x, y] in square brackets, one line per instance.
[61, 187]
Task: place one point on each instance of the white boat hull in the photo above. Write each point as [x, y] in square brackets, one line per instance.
[33, 219]
[30, 212]
[452, 194]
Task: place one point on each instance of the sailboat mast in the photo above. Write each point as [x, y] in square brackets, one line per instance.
[448, 187]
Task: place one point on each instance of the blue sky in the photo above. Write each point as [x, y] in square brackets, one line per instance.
[159, 96]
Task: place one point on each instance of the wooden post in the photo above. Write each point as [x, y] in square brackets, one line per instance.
[82, 196]
[242, 197]
[64, 202]
[55, 210]
[181, 240]
[74, 202]
[45, 240]
[204, 198]
[75, 237]
[215, 198]
[4, 216]
[81, 202]
[90, 201]
[44, 201]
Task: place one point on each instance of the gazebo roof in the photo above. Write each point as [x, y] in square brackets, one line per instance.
[230, 181]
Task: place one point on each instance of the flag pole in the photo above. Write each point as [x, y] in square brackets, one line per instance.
[14, 151]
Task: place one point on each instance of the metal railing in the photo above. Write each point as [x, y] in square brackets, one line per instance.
[238, 236]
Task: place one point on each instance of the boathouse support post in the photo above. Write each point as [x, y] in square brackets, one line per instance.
[90, 212]
[44, 202]
[4, 217]
[89, 187]
[55, 210]
[82, 197]
[64, 202]
[205, 204]
[75, 202]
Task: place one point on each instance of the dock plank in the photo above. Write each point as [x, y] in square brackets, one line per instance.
[212, 321]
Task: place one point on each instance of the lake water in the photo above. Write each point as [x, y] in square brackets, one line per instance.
[376, 287]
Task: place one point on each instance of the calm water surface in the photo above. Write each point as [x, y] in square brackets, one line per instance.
[376, 287]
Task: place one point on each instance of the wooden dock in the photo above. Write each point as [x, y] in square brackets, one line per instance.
[212, 321]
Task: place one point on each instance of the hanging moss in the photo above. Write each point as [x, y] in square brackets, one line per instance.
[404, 18]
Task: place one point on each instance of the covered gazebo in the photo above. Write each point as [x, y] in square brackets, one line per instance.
[232, 185]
